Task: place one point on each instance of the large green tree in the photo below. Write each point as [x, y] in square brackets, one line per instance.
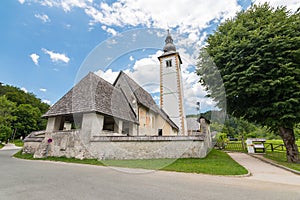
[26, 113]
[7, 108]
[28, 119]
[257, 55]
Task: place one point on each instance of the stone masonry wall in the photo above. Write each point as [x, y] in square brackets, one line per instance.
[70, 144]
[148, 149]
[64, 143]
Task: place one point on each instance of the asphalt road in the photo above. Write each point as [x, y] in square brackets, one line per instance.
[23, 179]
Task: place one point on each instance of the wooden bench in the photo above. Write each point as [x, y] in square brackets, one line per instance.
[258, 144]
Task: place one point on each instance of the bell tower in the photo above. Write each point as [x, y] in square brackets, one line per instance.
[171, 89]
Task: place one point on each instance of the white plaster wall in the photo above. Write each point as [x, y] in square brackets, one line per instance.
[170, 84]
[171, 91]
[53, 123]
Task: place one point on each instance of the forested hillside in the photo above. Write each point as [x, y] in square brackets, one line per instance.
[20, 113]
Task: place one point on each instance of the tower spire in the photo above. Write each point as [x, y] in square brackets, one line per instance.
[169, 46]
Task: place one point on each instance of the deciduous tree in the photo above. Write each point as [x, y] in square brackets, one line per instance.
[6, 118]
[257, 55]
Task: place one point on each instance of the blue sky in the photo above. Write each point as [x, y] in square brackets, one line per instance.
[48, 45]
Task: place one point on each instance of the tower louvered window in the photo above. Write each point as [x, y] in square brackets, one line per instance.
[169, 63]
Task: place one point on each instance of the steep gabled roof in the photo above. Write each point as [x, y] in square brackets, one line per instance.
[93, 94]
[142, 96]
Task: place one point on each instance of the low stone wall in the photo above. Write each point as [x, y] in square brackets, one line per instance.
[63, 143]
[71, 144]
[148, 150]
[33, 141]
[31, 147]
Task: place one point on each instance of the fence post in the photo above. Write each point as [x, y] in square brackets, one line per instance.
[272, 147]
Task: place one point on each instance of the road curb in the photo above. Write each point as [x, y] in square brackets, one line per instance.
[275, 164]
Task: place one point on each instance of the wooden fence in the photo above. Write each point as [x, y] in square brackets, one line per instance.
[271, 149]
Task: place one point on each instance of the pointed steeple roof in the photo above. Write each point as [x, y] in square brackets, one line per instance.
[169, 46]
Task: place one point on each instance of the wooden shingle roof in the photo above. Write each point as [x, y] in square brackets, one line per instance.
[93, 94]
[142, 96]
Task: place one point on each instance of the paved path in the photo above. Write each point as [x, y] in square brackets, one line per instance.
[265, 172]
[10, 146]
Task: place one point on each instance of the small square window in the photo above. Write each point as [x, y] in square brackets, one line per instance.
[169, 63]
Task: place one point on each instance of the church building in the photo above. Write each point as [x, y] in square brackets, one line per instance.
[97, 119]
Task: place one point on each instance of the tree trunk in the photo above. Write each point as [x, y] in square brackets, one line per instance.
[243, 142]
[288, 138]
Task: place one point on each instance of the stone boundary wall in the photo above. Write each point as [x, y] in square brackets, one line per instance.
[71, 144]
[146, 138]
[148, 149]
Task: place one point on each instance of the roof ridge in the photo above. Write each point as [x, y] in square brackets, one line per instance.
[128, 79]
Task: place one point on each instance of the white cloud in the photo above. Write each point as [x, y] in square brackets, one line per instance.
[21, 1]
[146, 73]
[68, 26]
[163, 14]
[185, 16]
[131, 58]
[43, 90]
[108, 75]
[43, 17]
[111, 31]
[153, 14]
[46, 101]
[292, 5]
[66, 5]
[56, 57]
[35, 58]
[24, 89]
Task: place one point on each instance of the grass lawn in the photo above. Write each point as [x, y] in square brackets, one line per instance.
[281, 142]
[216, 163]
[19, 143]
[279, 156]
[281, 159]
[1, 145]
[236, 146]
